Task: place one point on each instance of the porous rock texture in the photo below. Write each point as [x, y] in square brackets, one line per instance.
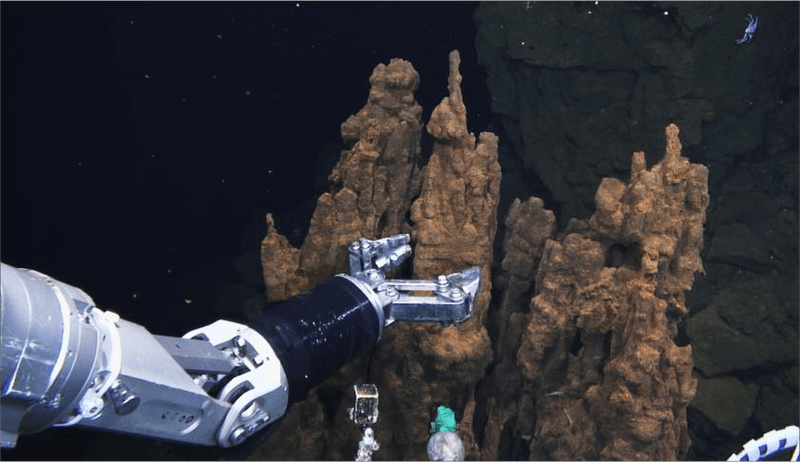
[455, 219]
[372, 187]
[587, 368]
[598, 355]
[576, 86]
[501, 399]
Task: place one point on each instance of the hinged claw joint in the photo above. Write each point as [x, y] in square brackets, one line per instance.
[448, 299]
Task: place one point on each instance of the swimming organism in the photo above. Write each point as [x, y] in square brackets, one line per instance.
[752, 26]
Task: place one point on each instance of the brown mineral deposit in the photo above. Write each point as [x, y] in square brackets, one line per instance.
[528, 226]
[454, 227]
[598, 355]
[373, 185]
[588, 369]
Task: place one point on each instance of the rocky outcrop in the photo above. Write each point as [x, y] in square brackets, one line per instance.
[598, 356]
[587, 368]
[575, 85]
[372, 187]
[455, 220]
[528, 226]
[454, 223]
[749, 318]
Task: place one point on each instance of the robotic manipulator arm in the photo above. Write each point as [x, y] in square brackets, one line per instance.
[66, 362]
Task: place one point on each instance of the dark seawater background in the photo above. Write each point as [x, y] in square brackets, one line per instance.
[142, 144]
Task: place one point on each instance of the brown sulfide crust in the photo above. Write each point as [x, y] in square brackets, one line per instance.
[587, 370]
[602, 326]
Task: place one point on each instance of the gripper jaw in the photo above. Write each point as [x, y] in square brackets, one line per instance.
[448, 299]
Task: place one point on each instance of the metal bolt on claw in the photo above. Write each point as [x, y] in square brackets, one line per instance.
[391, 292]
[237, 435]
[124, 401]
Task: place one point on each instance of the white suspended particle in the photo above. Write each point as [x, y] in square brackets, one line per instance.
[188, 301]
[219, 36]
[666, 13]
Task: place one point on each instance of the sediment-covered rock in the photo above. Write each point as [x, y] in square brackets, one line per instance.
[588, 369]
[598, 355]
[455, 219]
[372, 187]
[454, 226]
[528, 226]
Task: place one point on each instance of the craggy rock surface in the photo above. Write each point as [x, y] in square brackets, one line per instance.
[372, 187]
[501, 399]
[455, 220]
[416, 367]
[598, 355]
[586, 369]
[579, 84]
[576, 86]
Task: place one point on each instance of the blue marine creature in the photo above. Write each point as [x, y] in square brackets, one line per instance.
[752, 26]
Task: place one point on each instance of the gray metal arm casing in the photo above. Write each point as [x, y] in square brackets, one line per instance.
[66, 362]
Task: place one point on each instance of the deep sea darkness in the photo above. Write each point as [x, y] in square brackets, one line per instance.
[143, 143]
